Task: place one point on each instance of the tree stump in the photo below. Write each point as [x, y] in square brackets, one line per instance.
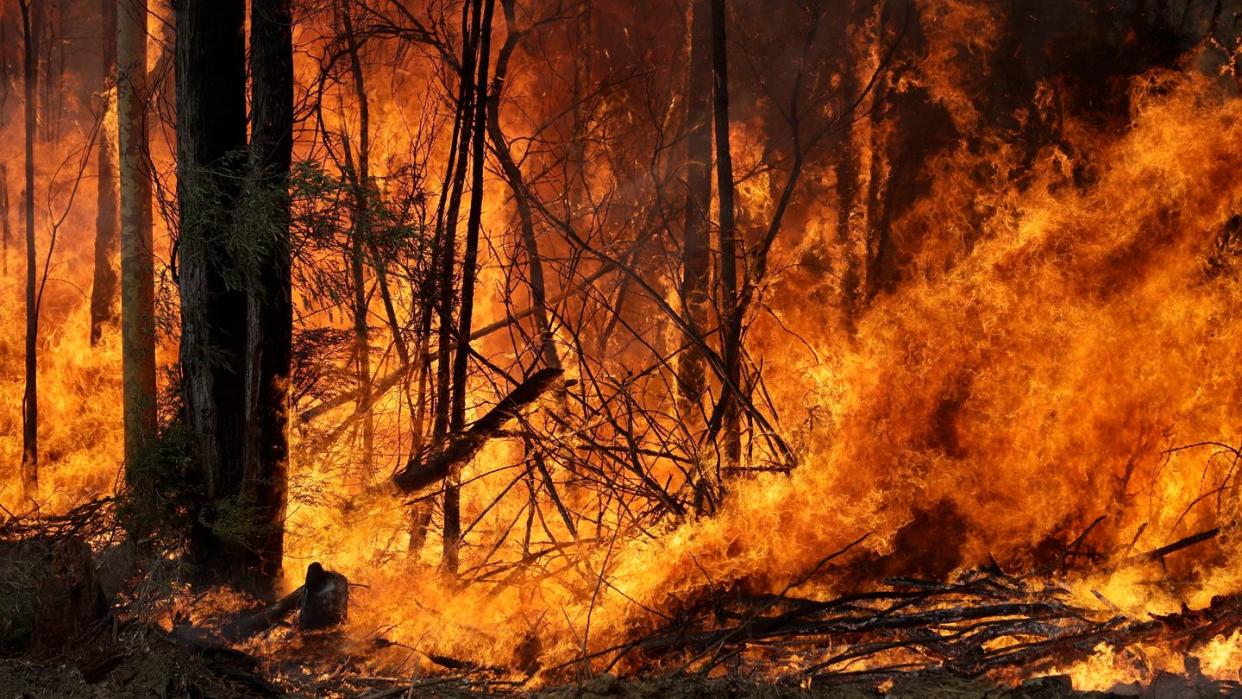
[325, 600]
[68, 600]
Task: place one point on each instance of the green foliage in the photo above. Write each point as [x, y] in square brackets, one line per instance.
[327, 222]
[159, 504]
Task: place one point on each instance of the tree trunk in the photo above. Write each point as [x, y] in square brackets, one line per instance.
[696, 250]
[457, 421]
[30, 399]
[211, 135]
[6, 232]
[443, 418]
[137, 258]
[5, 72]
[104, 288]
[269, 296]
[447, 237]
[359, 246]
[730, 323]
[513, 174]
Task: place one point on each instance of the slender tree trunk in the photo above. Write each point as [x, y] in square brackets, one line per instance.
[442, 420]
[461, 361]
[513, 174]
[362, 191]
[30, 399]
[696, 250]
[448, 239]
[6, 231]
[211, 136]
[269, 297]
[137, 257]
[359, 246]
[731, 326]
[104, 288]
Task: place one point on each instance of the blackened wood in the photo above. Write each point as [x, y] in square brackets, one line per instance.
[731, 323]
[211, 139]
[137, 258]
[30, 399]
[463, 446]
[269, 294]
[68, 600]
[257, 622]
[325, 600]
[104, 286]
[696, 250]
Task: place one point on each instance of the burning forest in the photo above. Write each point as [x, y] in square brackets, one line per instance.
[584, 347]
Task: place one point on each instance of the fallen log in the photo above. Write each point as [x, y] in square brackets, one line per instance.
[264, 619]
[321, 601]
[1186, 542]
[459, 449]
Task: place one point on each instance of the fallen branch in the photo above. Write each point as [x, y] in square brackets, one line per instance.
[1187, 542]
[461, 448]
[257, 622]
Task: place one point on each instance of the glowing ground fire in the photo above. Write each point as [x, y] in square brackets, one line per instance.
[952, 340]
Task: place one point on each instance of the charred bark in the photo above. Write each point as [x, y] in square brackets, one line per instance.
[730, 323]
[269, 295]
[696, 250]
[457, 417]
[104, 288]
[30, 398]
[420, 473]
[211, 136]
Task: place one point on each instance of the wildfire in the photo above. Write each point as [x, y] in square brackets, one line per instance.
[1035, 372]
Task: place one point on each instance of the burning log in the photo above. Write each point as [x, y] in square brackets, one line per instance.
[461, 448]
[264, 619]
[322, 601]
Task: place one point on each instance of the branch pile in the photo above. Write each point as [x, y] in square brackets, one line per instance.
[984, 623]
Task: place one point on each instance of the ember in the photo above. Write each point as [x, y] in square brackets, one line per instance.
[387, 346]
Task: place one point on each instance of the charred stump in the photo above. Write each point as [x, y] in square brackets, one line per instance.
[325, 599]
[321, 603]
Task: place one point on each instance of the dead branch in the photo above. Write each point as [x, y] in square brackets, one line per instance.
[419, 473]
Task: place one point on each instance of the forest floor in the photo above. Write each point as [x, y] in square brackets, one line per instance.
[149, 664]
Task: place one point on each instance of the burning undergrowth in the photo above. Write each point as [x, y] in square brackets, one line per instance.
[987, 379]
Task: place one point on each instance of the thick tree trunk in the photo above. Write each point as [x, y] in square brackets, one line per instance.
[269, 297]
[211, 135]
[730, 323]
[30, 399]
[5, 71]
[696, 250]
[137, 258]
[104, 288]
